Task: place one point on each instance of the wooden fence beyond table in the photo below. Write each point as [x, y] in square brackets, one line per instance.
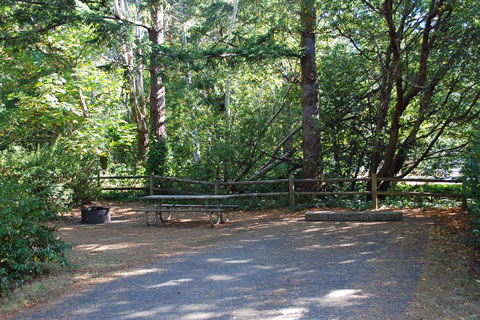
[290, 183]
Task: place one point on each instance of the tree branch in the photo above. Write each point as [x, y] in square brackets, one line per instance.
[135, 23]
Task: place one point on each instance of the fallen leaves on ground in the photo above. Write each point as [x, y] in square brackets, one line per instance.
[449, 287]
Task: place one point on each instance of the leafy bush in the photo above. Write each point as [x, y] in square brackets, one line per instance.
[425, 201]
[26, 241]
[124, 196]
[156, 157]
[436, 188]
[471, 173]
[62, 172]
[34, 188]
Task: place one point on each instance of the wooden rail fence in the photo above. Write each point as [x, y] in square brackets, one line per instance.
[292, 192]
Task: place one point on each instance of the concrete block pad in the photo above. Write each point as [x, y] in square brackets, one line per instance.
[353, 216]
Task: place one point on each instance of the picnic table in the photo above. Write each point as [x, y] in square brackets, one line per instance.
[212, 204]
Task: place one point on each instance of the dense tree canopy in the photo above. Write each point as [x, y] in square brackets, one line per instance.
[416, 58]
[397, 84]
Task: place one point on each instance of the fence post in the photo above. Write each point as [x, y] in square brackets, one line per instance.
[99, 183]
[152, 189]
[374, 191]
[291, 190]
[215, 187]
[464, 195]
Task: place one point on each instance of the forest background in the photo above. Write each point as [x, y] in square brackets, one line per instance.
[226, 90]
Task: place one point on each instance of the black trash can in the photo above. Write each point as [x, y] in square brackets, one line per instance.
[94, 215]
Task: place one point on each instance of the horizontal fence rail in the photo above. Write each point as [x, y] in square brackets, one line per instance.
[184, 180]
[238, 183]
[264, 194]
[332, 193]
[121, 177]
[334, 180]
[419, 180]
[152, 186]
[418, 194]
[123, 188]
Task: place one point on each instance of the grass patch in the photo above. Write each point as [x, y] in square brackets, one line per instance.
[56, 280]
[37, 291]
[59, 281]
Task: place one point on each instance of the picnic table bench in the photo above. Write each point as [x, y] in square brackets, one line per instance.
[218, 212]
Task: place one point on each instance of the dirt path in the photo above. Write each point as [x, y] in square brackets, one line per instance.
[264, 265]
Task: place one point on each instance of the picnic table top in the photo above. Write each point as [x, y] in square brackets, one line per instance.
[187, 197]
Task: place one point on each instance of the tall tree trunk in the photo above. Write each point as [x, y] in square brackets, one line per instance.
[311, 138]
[158, 112]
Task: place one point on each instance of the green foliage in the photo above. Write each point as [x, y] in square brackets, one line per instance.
[419, 202]
[156, 157]
[436, 188]
[471, 172]
[61, 174]
[363, 88]
[344, 113]
[256, 48]
[426, 201]
[105, 60]
[263, 203]
[351, 202]
[17, 17]
[34, 188]
[124, 196]
[26, 240]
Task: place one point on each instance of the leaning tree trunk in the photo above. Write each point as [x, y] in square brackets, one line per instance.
[311, 138]
[391, 163]
[395, 155]
[137, 114]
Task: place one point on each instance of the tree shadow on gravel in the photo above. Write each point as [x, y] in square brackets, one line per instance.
[280, 267]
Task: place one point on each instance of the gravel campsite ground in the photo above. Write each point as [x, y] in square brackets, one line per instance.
[447, 288]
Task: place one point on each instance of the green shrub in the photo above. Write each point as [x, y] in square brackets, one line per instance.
[156, 157]
[124, 196]
[60, 172]
[435, 188]
[471, 173]
[34, 188]
[26, 241]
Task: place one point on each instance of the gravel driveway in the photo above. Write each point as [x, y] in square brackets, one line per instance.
[284, 269]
